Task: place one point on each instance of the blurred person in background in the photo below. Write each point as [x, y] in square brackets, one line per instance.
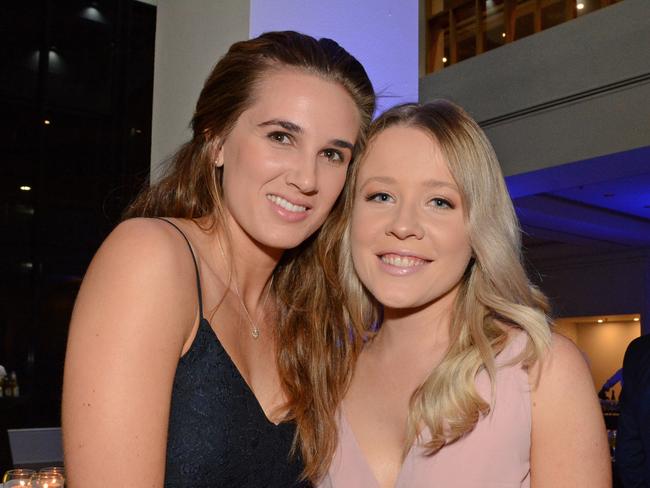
[633, 436]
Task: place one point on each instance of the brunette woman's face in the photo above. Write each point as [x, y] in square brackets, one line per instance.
[409, 239]
[286, 159]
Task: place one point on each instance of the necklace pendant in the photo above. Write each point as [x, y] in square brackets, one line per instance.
[255, 333]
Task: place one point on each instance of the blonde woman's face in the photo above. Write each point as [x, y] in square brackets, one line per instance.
[285, 161]
[409, 239]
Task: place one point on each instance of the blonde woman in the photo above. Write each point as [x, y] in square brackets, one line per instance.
[461, 384]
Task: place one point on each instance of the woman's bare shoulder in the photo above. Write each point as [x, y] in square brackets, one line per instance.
[143, 264]
[562, 356]
[148, 237]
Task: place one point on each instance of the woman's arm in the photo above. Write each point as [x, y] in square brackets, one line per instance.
[569, 445]
[135, 310]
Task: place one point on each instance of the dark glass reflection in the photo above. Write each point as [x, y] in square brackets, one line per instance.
[76, 81]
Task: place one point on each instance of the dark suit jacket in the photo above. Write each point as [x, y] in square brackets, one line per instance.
[633, 436]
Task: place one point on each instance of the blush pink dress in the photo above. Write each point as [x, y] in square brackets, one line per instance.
[496, 454]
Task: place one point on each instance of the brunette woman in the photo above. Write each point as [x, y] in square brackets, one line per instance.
[192, 350]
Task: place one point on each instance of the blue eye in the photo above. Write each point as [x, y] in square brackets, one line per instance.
[280, 137]
[441, 203]
[380, 197]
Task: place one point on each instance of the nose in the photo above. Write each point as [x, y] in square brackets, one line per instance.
[303, 175]
[405, 223]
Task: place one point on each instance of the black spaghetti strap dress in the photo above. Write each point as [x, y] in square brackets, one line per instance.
[218, 434]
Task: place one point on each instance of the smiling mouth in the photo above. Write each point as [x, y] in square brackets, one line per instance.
[400, 261]
[286, 204]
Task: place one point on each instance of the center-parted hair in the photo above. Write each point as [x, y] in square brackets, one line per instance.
[310, 353]
[495, 292]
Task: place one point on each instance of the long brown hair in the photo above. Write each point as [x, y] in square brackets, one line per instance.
[311, 336]
[495, 291]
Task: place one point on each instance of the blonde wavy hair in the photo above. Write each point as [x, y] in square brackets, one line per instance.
[495, 292]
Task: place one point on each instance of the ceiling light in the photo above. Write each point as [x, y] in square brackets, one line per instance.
[93, 13]
[25, 188]
[600, 321]
[636, 319]
[580, 6]
[46, 122]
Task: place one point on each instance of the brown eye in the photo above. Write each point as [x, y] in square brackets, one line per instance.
[333, 155]
[280, 137]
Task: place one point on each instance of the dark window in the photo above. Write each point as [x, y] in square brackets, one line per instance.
[76, 83]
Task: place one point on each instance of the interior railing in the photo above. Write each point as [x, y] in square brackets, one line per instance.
[460, 29]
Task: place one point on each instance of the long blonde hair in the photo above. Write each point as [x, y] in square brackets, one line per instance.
[494, 292]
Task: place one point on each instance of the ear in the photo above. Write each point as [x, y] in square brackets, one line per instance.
[218, 154]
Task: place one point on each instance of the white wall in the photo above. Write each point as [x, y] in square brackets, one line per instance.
[191, 36]
[382, 34]
[603, 345]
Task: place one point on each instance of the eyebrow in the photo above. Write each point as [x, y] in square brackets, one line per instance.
[285, 124]
[296, 129]
[438, 183]
[428, 183]
[342, 144]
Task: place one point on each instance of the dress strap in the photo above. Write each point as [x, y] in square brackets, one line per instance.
[196, 266]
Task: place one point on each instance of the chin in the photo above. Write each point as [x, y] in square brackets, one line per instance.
[396, 300]
[283, 240]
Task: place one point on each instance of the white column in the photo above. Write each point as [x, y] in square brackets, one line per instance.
[191, 36]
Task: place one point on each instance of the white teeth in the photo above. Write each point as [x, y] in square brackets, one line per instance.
[402, 261]
[287, 205]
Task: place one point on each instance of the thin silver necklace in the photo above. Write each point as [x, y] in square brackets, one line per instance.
[255, 331]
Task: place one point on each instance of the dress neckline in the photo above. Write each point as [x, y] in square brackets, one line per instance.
[205, 323]
[345, 426]
[506, 354]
